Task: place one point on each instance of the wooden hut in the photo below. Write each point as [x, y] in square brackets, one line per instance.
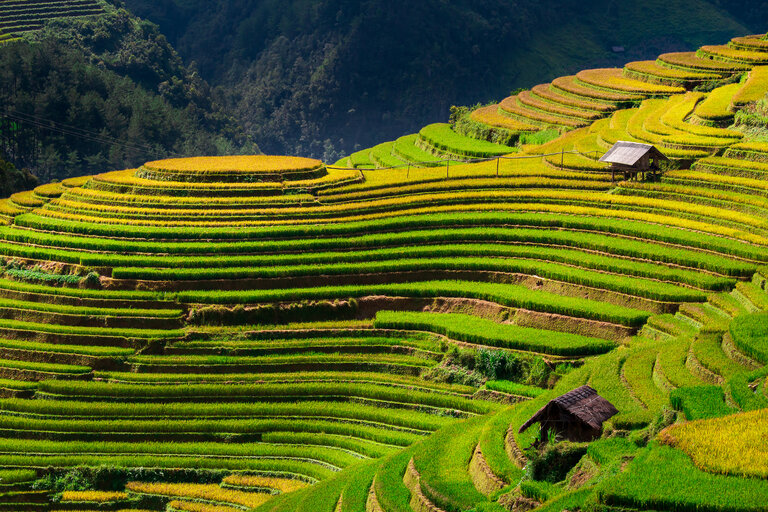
[633, 159]
[575, 416]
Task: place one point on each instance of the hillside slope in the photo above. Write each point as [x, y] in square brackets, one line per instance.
[324, 78]
[273, 334]
[106, 90]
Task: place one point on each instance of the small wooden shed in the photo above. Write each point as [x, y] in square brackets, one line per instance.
[633, 159]
[575, 416]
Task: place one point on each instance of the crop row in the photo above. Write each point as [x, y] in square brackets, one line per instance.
[215, 428]
[571, 86]
[95, 196]
[410, 244]
[511, 244]
[419, 243]
[547, 93]
[527, 100]
[442, 137]
[328, 455]
[127, 182]
[486, 332]
[613, 79]
[6, 303]
[405, 148]
[632, 286]
[513, 107]
[263, 391]
[51, 348]
[734, 167]
[263, 482]
[574, 217]
[519, 200]
[650, 71]
[402, 381]
[287, 343]
[700, 135]
[661, 478]
[750, 150]
[490, 116]
[716, 107]
[711, 196]
[501, 183]
[504, 294]
[718, 181]
[749, 332]
[88, 331]
[208, 492]
[44, 367]
[305, 410]
[730, 54]
[306, 468]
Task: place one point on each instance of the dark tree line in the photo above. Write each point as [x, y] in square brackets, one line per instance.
[94, 94]
[324, 77]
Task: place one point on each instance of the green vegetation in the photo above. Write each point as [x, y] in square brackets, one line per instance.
[476, 330]
[215, 334]
[442, 138]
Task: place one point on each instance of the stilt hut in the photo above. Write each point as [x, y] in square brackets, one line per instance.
[575, 416]
[633, 159]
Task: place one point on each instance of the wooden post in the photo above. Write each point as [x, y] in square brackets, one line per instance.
[613, 175]
[408, 172]
[498, 159]
[562, 156]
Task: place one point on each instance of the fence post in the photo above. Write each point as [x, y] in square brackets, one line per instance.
[408, 172]
[498, 159]
[562, 156]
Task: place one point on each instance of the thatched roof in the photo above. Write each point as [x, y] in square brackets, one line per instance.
[583, 403]
[629, 153]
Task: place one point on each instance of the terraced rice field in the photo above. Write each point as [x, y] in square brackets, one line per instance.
[19, 16]
[274, 334]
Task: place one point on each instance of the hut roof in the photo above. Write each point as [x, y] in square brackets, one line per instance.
[583, 403]
[629, 153]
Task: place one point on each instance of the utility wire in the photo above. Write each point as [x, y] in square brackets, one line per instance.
[81, 133]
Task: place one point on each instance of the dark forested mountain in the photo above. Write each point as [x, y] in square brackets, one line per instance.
[86, 95]
[319, 77]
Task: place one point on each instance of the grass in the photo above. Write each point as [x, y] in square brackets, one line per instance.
[716, 107]
[632, 286]
[662, 478]
[700, 402]
[507, 295]
[749, 333]
[613, 79]
[514, 388]
[730, 445]
[650, 226]
[209, 492]
[443, 138]
[214, 429]
[442, 461]
[44, 367]
[321, 250]
[485, 332]
[406, 149]
[322, 410]
[265, 392]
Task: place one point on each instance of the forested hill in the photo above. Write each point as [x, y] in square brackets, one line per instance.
[324, 77]
[104, 91]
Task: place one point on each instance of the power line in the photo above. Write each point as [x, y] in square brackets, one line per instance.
[81, 133]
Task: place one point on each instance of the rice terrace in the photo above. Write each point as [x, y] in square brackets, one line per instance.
[490, 314]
